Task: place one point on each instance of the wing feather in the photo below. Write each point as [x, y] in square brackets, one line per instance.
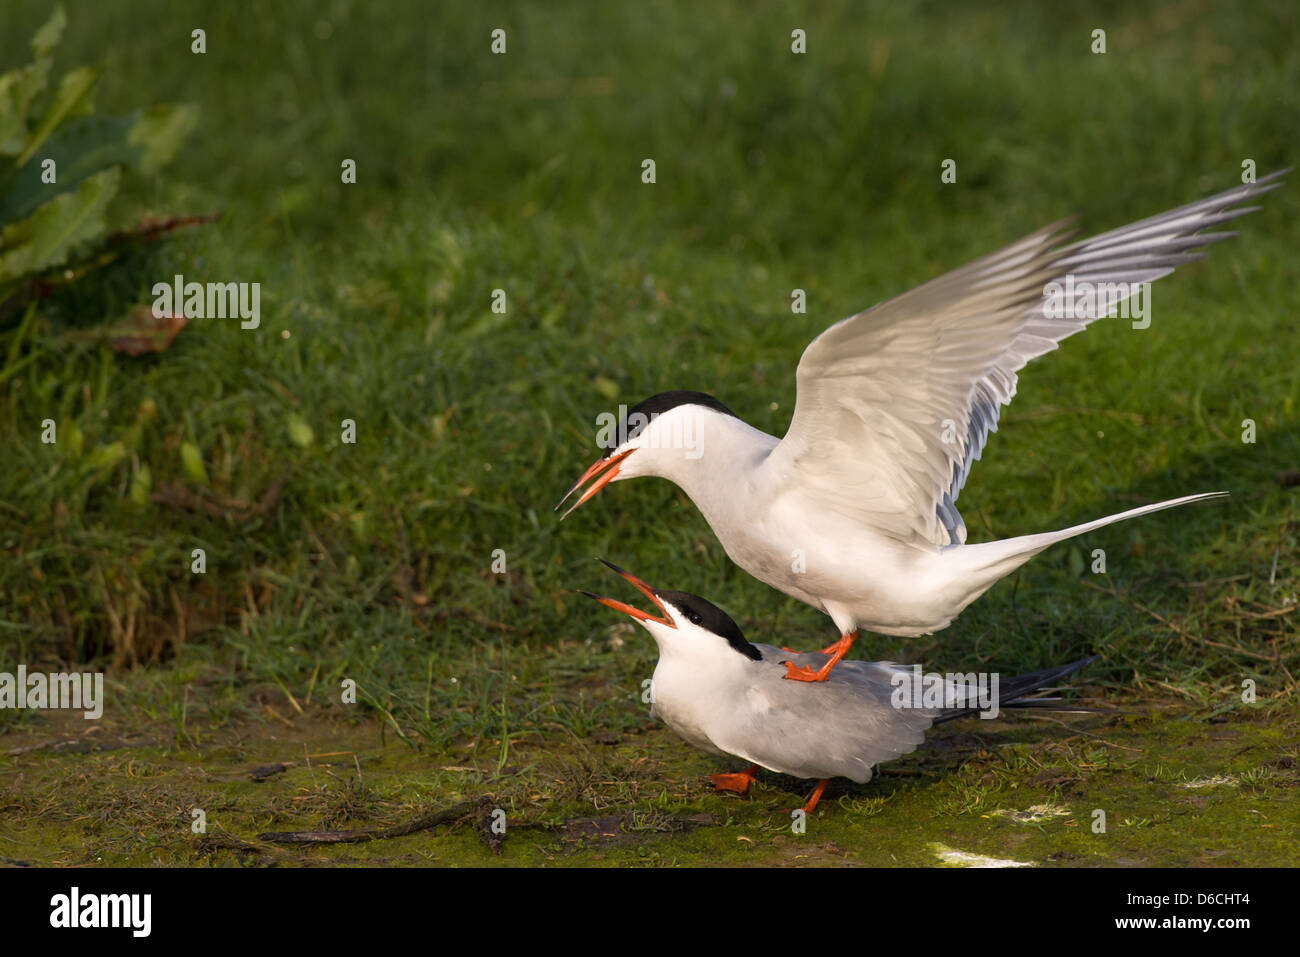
[896, 403]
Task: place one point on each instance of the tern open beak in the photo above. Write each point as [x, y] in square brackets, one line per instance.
[626, 609]
[597, 467]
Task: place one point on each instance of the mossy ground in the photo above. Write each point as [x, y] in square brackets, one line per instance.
[1177, 788]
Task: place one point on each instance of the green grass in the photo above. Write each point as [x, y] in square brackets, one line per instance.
[522, 172]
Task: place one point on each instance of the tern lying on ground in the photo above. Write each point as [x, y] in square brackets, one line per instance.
[727, 696]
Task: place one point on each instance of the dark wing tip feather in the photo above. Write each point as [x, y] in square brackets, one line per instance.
[1012, 692]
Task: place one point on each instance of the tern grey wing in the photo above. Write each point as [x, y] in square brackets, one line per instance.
[895, 403]
[841, 727]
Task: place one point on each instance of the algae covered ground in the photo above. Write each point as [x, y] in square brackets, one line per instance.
[391, 628]
[1166, 785]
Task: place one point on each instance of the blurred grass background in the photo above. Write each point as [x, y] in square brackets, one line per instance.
[522, 172]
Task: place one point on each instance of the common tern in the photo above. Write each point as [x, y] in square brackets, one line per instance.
[854, 510]
[727, 696]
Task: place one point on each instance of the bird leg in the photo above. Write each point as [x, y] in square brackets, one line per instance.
[816, 795]
[828, 650]
[739, 783]
[836, 651]
[839, 647]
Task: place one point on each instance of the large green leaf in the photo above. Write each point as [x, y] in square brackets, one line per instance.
[47, 237]
[18, 88]
[74, 91]
[143, 140]
[42, 224]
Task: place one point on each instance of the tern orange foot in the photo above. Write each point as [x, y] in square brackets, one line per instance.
[738, 783]
[836, 651]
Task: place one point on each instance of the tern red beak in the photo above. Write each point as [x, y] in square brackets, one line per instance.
[643, 588]
[600, 465]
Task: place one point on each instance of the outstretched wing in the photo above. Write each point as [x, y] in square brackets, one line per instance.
[895, 403]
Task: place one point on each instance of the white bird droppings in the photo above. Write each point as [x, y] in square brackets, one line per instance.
[954, 858]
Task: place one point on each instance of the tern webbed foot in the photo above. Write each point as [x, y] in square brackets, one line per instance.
[803, 673]
[738, 783]
[836, 651]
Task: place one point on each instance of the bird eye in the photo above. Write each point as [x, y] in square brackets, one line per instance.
[694, 617]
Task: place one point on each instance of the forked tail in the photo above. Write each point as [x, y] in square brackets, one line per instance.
[985, 563]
